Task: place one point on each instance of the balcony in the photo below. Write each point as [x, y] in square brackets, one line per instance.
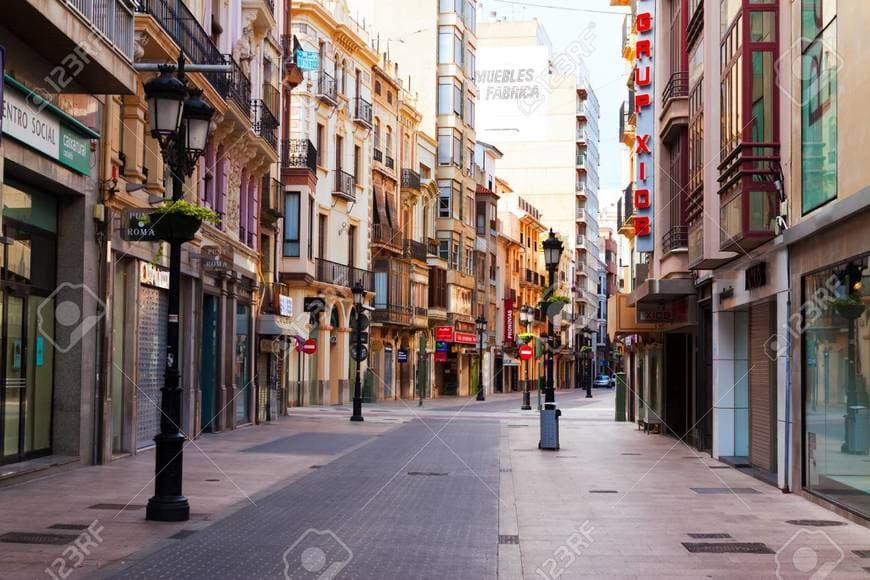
[343, 275]
[262, 13]
[415, 250]
[292, 74]
[299, 154]
[182, 26]
[581, 160]
[363, 112]
[392, 314]
[271, 98]
[271, 198]
[696, 22]
[345, 185]
[749, 202]
[432, 248]
[326, 88]
[390, 162]
[580, 188]
[387, 236]
[676, 238]
[265, 125]
[238, 86]
[581, 214]
[625, 213]
[410, 180]
[378, 155]
[627, 121]
[675, 108]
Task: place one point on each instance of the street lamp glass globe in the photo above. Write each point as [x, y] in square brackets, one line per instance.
[196, 122]
[552, 251]
[481, 324]
[358, 291]
[165, 95]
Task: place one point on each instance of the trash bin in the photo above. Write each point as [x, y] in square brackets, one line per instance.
[549, 429]
[856, 430]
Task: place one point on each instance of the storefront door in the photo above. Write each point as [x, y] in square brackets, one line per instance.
[388, 372]
[209, 363]
[243, 363]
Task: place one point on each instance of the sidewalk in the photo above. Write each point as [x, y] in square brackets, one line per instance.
[616, 502]
[221, 475]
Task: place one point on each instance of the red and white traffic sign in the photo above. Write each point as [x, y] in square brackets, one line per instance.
[526, 352]
[309, 346]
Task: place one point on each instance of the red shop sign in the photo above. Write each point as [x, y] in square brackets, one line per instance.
[441, 356]
[464, 338]
[444, 333]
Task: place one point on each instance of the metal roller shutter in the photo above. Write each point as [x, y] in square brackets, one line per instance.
[151, 362]
[762, 390]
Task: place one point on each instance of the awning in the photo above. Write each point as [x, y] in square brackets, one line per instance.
[380, 207]
[661, 290]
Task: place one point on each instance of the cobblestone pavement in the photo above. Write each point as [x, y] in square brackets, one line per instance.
[406, 505]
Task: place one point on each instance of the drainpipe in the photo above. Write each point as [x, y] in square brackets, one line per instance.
[788, 383]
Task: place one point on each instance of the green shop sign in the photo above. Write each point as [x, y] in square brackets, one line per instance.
[45, 128]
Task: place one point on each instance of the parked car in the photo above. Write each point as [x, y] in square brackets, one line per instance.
[604, 381]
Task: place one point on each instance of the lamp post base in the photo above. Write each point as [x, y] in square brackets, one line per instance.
[168, 504]
[168, 509]
[356, 418]
[527, 401]
[480, 396]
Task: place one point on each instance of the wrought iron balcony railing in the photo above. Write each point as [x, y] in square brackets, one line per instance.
[271, 199]
[298, 153]
[343, 275]
[379, 155]
[272, 99]
[363, 111]
[239, 89]
[392, 313]
[415, 250]
[677, 86]
[676, 238]
[410, 179]
[265, 125]
[387, 235]
[113, 19]
[390, 163]
[345, 185]
[326, 87]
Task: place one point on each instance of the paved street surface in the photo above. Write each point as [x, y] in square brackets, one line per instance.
[455, 489]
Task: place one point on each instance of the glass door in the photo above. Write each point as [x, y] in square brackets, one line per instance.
[14, 379]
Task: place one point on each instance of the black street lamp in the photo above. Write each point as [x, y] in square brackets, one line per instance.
[481, 328]
[552, 255]
[526, 317]
[358, 294]
[179, 121]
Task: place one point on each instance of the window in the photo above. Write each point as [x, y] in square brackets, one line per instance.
[458, 52]
[471, 16]
[377, 87]
[470, 63]
[351, 246]
[390, 97]
[469, 110]
[321, 131]
[339, 152]
[445, 95]
[445, 6]
[377, 133]
[445, 191]
[322, 234]
[310, 228]
[445, 44]
[819, 63]
[444, 250]
[357, 164]
[469, 259]
[457, 98]
[389, 144]
[456, 256]
[291, 224]
[445, 147]
[481, 218]
[492, 267]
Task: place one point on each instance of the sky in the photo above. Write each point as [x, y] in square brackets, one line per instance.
[564, 20]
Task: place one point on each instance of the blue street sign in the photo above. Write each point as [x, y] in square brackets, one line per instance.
[441, 346]
[402, 355]
[308, 60]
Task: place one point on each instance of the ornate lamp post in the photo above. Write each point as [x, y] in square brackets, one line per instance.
[358, 294]
[481, 328]
[179, 121]
[552, 255]
[526, 317]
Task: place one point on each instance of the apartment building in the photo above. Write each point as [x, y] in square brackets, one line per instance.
[327, 179]
[446, 53]
[485, 258]
[541, 112]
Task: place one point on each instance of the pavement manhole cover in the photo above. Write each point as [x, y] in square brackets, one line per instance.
[724, 490]
[816, 523]
[428, 473]
[603, 491]
[182, 534]
[28, 538]
[710, 536]
[508, 539]
[862, 553]
[76, 527]
[117, 506]
[727, 548]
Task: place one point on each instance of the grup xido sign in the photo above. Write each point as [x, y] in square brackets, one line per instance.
[644, 106]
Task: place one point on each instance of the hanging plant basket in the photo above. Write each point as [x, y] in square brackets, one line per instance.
[850, 311]
[178, 221]
[175, 227]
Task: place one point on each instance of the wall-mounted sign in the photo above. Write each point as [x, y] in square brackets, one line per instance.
[37, 124]
[464, 338]
[285, 305]
[508, 320]
[441, 346]
[217, 259]
[135, 225]
[151, 275]
[526, 352]
[402, 355]
[309, 346]
[441, 356]
[644, 106]
[756, 276]
[663, 313]
[308, 59]
[444, 333]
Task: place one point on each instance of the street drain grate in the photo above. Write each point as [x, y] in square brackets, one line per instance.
[182, 534]
[315, 467]
[724, 490]
[508, 539]
[428, 473]
[630, 454]
[75, 527]
[212, 480]
[505, 470]
[713, 536]
[603, 491]
[117, 506]
[518, 425]
[862, 553]
[727, 548]
[816, 523]
[719, 466]
[46, 539]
